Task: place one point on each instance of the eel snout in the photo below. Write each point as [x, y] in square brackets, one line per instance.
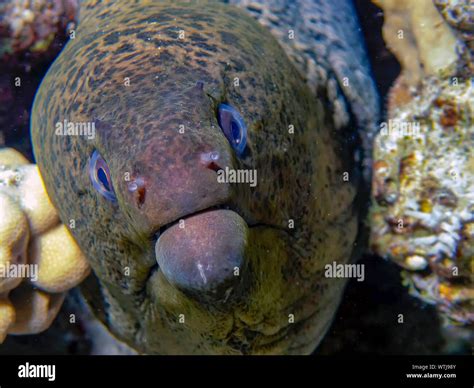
[204, 254]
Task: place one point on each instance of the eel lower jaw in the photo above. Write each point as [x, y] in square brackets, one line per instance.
[206, 252]
[201, 252]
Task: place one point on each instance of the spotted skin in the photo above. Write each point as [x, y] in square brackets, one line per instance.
[131, 73]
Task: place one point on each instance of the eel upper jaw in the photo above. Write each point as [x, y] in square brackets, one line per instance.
[163, 228]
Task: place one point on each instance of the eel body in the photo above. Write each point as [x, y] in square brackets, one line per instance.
[185, 262]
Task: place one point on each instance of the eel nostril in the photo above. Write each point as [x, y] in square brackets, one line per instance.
[214, 166]
[138, 186]
[210, 160]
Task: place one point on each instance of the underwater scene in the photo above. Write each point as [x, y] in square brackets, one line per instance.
[241, 177]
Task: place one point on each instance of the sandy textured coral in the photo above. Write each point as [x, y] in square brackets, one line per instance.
[31, 237]
[34, 309]
[11, 157]
[422, 216]
[60, 262]
[7, 317]
[32, 197]
[14, 239]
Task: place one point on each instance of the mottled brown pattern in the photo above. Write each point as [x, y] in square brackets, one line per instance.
[300, 176]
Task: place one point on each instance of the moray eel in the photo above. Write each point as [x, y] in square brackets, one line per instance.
[184, 261]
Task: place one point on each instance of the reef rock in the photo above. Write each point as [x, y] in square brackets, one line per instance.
[422, 216]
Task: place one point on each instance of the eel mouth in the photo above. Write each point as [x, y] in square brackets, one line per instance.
[204, 250]
[183, 218]
[200, 252]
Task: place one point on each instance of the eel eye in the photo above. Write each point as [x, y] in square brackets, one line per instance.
[233, 126]
[100, 176]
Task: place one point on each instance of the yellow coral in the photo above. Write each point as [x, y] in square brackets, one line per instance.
[32, 236]
[35, 202]
[61, 263]
[7, 317]
[35, 309]
[13, 239]
[9, 157]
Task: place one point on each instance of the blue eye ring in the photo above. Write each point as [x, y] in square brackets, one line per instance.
[100, 177]
[233, 126]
